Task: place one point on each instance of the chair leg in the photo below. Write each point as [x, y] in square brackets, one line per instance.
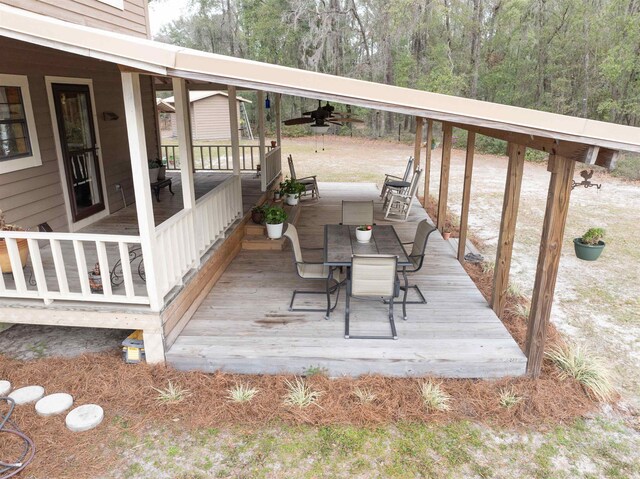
[346, 312]
[404, 298]
[329, 290]
[422, 299]
[394, 334]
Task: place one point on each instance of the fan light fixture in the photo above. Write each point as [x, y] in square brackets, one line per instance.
[320, 129]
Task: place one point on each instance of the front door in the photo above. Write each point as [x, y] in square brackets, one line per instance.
[79, 149]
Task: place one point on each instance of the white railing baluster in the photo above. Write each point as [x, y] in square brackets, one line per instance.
[103, 261]
[38, 270]
[123, 249]
[81, 265]
[58, 264]
[16, 265]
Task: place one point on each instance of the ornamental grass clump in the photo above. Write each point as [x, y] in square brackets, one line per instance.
[241, 393]
[588, 370]
[172, 394]
[508, 398]
[300, 394]
[434, 398]
[364, 395]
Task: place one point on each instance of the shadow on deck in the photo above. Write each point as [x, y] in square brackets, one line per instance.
[244, 324]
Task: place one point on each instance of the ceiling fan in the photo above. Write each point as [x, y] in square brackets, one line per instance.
[321, 116]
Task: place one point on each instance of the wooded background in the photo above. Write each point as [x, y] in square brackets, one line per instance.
[575, 57]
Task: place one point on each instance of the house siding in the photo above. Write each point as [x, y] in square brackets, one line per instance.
[209, 119]
[132, 20]
[34, 195]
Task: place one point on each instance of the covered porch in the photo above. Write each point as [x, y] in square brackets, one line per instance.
[244, 325]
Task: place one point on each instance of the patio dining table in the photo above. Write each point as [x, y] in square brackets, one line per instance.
[340, 244]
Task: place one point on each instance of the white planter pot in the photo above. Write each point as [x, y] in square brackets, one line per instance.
[292, 200]
[153, 175]
[274, 231]
[162, 173]
[363, 236]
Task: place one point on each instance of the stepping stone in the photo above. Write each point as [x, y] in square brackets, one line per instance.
[5, 388]
[54, 404]
[27, 394]
[84, 417]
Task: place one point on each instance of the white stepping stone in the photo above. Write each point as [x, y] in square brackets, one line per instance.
[27, 394]
[5, 388]
[84, 417]
[54, 404]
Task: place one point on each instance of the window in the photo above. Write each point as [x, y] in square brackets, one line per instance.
[18, 138]
[114, 3]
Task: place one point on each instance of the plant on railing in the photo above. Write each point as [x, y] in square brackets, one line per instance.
[23, 246]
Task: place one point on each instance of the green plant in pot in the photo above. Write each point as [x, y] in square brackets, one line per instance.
[154, 170]
[293, 190]
[257, 214]
[590, 245]
[274, 217]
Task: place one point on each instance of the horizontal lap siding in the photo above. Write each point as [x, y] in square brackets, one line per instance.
[34, 195]
[211, 118]
[92, 13]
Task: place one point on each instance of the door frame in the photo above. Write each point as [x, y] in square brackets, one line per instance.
[49, 81]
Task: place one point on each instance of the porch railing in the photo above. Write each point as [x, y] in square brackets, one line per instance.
[58, 265]
[214, 157]
[272, 167]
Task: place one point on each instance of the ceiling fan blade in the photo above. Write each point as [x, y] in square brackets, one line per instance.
[349, 120]
[298, 121]
[334, 122]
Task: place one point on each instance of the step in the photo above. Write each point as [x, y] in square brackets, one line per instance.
[252, 229]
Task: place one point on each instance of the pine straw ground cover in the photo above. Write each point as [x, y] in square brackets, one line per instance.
[128, 394]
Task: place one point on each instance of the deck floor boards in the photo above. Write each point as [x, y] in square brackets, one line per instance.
[244, 324]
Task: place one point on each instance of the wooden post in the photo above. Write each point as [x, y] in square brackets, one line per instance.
[427, 163]
[185, 142]
[278, 106]
[263, 176]
[548, 259]
[447, 133]
[418, 143]
[233, 124]
[140, 171]
[507, 226]
[466, 196]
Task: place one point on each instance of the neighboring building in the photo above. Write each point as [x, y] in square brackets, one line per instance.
[209, 115]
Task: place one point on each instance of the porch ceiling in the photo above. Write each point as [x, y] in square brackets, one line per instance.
[162, 59]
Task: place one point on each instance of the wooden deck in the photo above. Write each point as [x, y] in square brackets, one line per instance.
[244, 324]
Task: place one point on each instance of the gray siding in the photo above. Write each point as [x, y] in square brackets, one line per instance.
[133, 20]
[34, 195]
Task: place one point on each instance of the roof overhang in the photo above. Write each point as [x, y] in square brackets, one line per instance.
[162, 59]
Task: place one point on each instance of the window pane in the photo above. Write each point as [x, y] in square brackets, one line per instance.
[14, 134]
[12, 94]
[11, 112]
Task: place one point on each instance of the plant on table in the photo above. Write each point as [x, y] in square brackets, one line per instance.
[275, 217]
[363, 233]
[23, 246]
[590, 245]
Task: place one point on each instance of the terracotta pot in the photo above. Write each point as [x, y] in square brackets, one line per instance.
[274, 144]
[446, 236]
[23, 249]
[257, 217]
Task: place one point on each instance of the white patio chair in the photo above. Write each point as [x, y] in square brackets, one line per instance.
[310, 183]
[399, 204]
[372, 277]
[309, 270]
[389, 178]
[357, 213]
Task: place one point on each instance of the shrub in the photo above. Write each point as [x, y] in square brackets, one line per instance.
[242, 393]
[628, 167]
[364, 395]
[593, 236]
[172, 394]
[508, 398]
[300, 394]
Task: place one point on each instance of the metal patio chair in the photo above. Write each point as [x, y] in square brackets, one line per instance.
[310, 183]
[399, 204]
[372, 277]
[393, 178]
[311, 270]
[357, 213]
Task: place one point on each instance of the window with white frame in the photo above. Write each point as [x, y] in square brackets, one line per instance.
[19, 147]
[114, 3]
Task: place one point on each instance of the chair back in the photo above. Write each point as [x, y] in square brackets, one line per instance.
[415, 182]
[373, 275]
[420, 243]
[292, 233]
[357, 212]
[407, 172]
[291, 167]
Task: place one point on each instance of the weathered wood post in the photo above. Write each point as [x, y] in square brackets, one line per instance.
[447, 133]
[427, 163]
[233, 124]
[466, 195]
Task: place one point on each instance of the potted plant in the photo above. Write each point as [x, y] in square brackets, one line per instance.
[275, 217]
[277, 195]
[363, 233]
[162, 171]
[446, 235]
[95, 279]
[23, 246]
[257, 214]
[154, 170]
[274, 143]
[293, 190]
[590, 245]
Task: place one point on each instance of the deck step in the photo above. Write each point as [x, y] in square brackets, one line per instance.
[256, 235]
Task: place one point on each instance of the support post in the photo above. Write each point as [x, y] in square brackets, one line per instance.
[140, 171]
[548, 259]
[233, 124]
[507, 226]
[278, 106]
[418, 144]
[185, 141]
[427, 163]
[466, 196]
[447, 133]
[263, 176]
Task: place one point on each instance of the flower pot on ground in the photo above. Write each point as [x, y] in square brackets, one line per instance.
[590, 245]
[363, 233]
[274, 217]
[23, 246]
[293, 190]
